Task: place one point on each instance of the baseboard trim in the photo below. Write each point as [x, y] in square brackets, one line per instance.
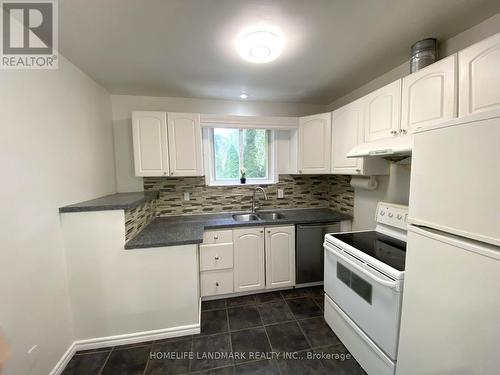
[63, 362]
[132, 338]
[129, 338]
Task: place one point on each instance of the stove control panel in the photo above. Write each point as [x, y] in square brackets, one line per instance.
[392, 214]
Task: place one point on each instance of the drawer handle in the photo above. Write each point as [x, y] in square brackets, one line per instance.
[216, 283]
[216, 257]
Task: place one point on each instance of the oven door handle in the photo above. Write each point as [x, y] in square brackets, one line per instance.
[390, 284]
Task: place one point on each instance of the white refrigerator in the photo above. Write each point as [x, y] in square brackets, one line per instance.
[450, 321]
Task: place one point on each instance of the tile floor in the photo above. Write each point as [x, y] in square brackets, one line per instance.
[282, 322]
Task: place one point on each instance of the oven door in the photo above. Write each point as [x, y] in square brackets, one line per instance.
[371, 299]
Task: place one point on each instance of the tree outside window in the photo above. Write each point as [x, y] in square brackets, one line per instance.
[235, 149]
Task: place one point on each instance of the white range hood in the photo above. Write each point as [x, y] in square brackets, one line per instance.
[394, 147]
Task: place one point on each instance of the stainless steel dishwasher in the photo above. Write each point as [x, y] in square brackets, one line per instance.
[309, 253]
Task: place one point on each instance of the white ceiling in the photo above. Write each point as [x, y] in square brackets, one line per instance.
[185, 48]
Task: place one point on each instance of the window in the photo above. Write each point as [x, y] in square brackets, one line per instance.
[234, 149]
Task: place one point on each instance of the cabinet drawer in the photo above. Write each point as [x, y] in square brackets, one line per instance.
[217, 236]
[216, 256]
[216, 282]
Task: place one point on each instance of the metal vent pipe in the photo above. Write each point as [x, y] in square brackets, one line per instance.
[423, 53]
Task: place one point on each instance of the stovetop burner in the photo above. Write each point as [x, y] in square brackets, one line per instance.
[386, 249]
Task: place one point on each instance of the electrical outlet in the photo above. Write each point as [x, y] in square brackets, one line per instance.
[187, 196]
[281, 193]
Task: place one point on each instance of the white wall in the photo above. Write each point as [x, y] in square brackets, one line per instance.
[116, 292]
[394, 188]
[56, 148]
[123, 105]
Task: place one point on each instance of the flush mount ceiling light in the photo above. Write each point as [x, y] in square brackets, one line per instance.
[243, 96]
[260, 44]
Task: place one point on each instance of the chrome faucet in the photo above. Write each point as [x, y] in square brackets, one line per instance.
[254, 206]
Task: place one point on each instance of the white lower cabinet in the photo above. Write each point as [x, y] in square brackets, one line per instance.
[280, 257]
[216, 263]
[216, 256]
[216, 282]
[249, 259]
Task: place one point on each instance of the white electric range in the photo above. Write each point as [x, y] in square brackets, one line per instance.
[364, 274]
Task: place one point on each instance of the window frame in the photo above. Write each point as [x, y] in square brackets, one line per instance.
[209, 159]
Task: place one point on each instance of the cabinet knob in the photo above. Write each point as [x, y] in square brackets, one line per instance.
[216, 237]
[171, 173]
[358, 170]
[399, 217]
[164, 173]
[300, 170]
[269, 231]
[261, 231]
[402, 131]
[390, 214]
[394, 132]
[216, 283]
[216, 257]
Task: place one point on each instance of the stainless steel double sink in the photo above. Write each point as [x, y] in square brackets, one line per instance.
[268, 216]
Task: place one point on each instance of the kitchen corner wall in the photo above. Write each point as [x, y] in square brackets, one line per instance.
[56, 149]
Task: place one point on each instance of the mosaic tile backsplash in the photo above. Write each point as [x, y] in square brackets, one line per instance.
[137, 218]
[301, 191]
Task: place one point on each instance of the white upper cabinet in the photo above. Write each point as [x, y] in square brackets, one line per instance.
[347, 132]
[429, 95]
[149, 132]
[280, 257]
[184, 141]
[382, 112]
[479, 76]
[249, 261]
[314, 144]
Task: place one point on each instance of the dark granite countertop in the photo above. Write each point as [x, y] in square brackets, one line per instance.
[118, 201]
[185, 230]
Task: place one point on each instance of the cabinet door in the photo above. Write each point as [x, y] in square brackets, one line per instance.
[479, 79]
[248, 259]
[383, 112]
[347, 132]
[429, 95]
[314, 151]
[149, 132]
[184, 141]
[280, 257]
